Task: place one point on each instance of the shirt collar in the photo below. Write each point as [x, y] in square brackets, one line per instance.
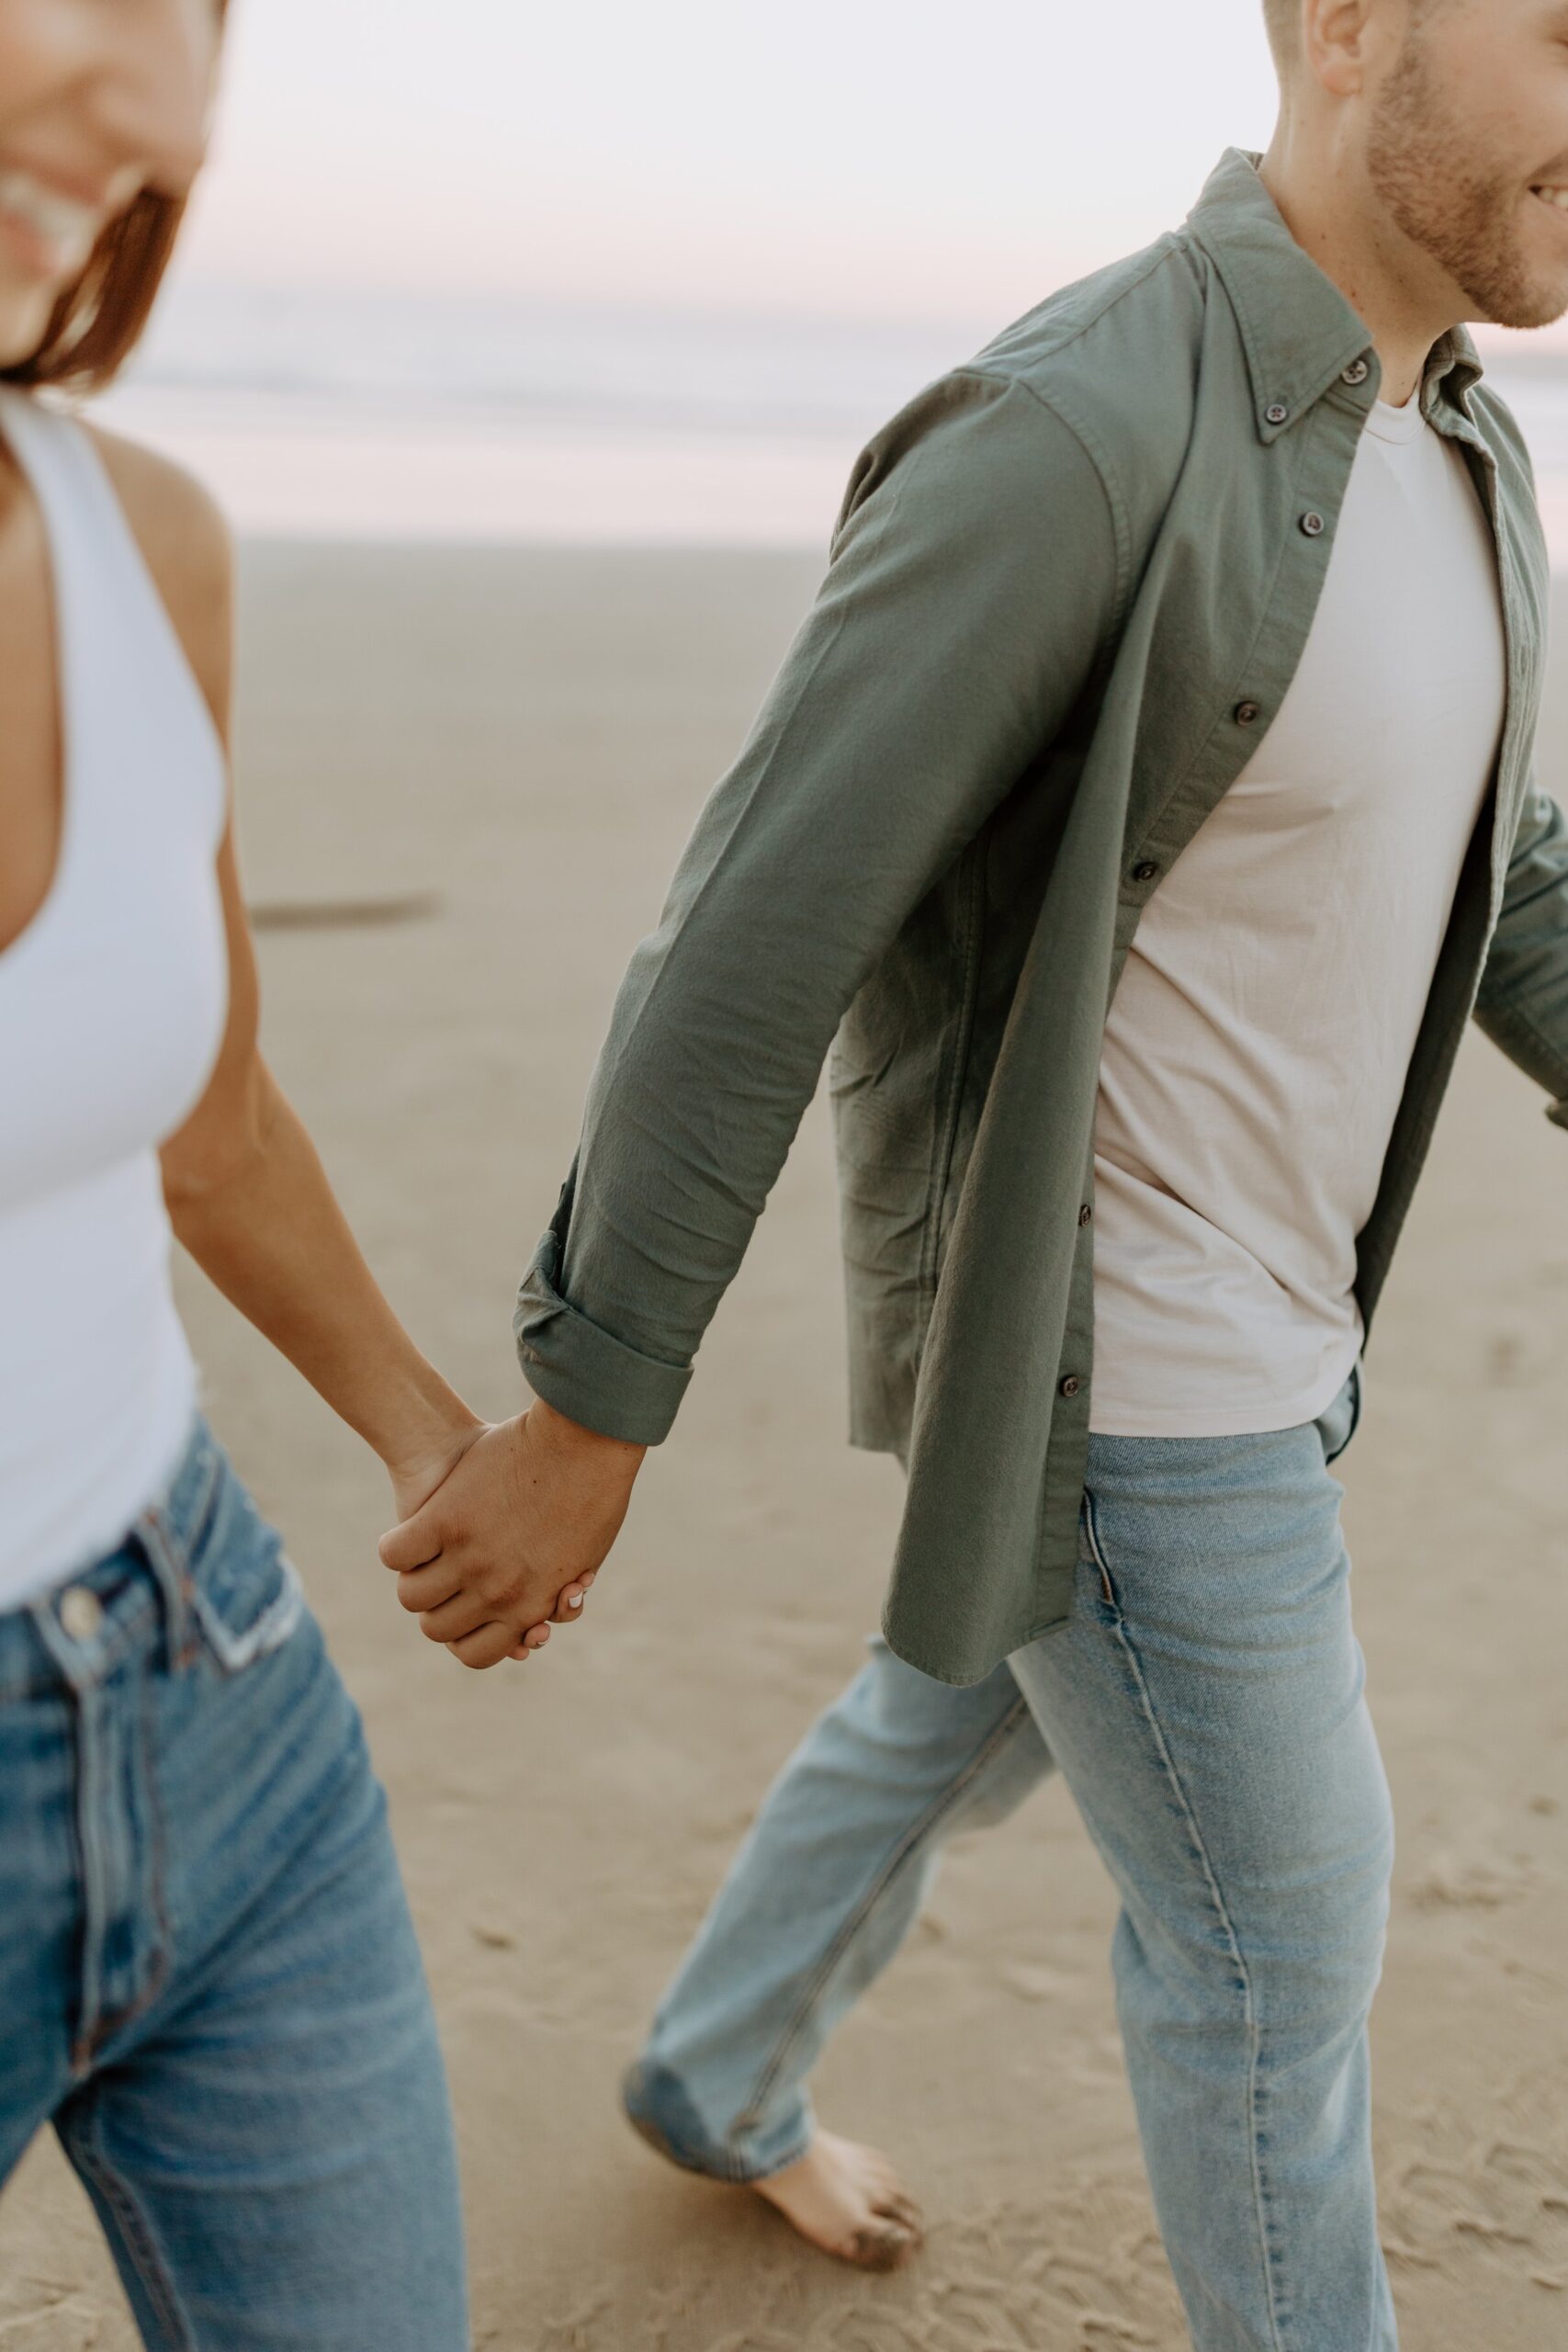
[1300, 334]
[1453, 369]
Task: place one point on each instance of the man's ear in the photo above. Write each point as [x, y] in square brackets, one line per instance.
[1337, 38]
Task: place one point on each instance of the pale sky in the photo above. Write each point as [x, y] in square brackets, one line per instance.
[894, 158]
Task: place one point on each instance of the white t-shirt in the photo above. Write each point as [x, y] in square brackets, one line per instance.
[1260, 1037]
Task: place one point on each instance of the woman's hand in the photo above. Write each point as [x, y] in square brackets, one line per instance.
[514, 1538]
[431, 1457]
[426, 1469]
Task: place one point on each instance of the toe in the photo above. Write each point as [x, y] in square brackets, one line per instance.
[886, 2246]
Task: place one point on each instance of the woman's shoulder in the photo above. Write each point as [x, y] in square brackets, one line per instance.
[187, 545]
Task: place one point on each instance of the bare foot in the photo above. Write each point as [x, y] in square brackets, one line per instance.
[851, 2202]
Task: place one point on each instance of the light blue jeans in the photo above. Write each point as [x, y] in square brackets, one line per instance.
[208, 1979]
[1205, 1705]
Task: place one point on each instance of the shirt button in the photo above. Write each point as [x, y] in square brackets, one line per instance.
[1276, 413]
[1247, 714]
[81, 1613]
[1071, 1385]
[1357, 372]
[1313, 526]
[1086, 1215]
[1147, 872]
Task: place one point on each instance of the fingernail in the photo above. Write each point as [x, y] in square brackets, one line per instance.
[577, 1600]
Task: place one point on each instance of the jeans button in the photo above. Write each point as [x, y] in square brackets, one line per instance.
[81, 1613]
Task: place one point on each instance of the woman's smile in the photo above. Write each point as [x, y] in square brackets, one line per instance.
[48, 231]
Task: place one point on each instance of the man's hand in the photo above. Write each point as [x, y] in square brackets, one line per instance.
[514, 1536]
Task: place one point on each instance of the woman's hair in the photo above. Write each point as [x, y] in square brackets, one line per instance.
[98, 322]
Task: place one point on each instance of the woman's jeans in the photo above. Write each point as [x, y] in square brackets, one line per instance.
[1204, 1704]
[208, 1979]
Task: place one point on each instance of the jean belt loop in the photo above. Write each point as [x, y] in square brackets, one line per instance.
[165, 1557]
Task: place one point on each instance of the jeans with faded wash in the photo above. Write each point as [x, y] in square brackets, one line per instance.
[209, 1977]
[1205, 1706]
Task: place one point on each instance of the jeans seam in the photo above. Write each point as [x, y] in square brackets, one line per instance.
[141, 2244]
[1250, 2007]
[908, 1846]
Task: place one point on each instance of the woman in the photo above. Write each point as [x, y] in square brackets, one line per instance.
[208, 1973]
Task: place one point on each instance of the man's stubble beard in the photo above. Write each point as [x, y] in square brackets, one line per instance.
[1454, 207]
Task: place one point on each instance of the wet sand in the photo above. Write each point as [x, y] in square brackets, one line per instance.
[489, 760]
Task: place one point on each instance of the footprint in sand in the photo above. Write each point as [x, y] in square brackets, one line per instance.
[1470, 1884]
[1502, 2203]
[1034, 1981]
[38, 2315]
[1012, 2276]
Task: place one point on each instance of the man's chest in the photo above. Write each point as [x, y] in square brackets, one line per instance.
[1367, 784]
[1394, 716]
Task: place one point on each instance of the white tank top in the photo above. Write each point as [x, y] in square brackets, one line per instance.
[112, 1007]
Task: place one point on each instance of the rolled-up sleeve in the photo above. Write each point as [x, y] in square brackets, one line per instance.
[977, 574]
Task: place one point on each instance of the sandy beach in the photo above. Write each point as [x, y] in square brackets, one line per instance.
[492, 758]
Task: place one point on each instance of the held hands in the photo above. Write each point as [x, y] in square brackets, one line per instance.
[511, 1539]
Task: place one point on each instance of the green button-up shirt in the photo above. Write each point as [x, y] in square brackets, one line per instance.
[1069, 591]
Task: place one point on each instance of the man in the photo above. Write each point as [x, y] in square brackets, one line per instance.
[1148, 797]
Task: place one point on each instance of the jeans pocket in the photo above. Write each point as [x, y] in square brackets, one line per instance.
[1094, 1552]
[246, 1594]
[1343, 1419]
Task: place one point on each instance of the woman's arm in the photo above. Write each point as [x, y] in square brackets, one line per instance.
[250, 1200]
[247, 1194]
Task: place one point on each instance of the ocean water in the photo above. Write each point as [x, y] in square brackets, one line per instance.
[320, 414]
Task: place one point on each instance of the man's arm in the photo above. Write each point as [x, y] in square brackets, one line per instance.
[978, 573]
[1523, 1002]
